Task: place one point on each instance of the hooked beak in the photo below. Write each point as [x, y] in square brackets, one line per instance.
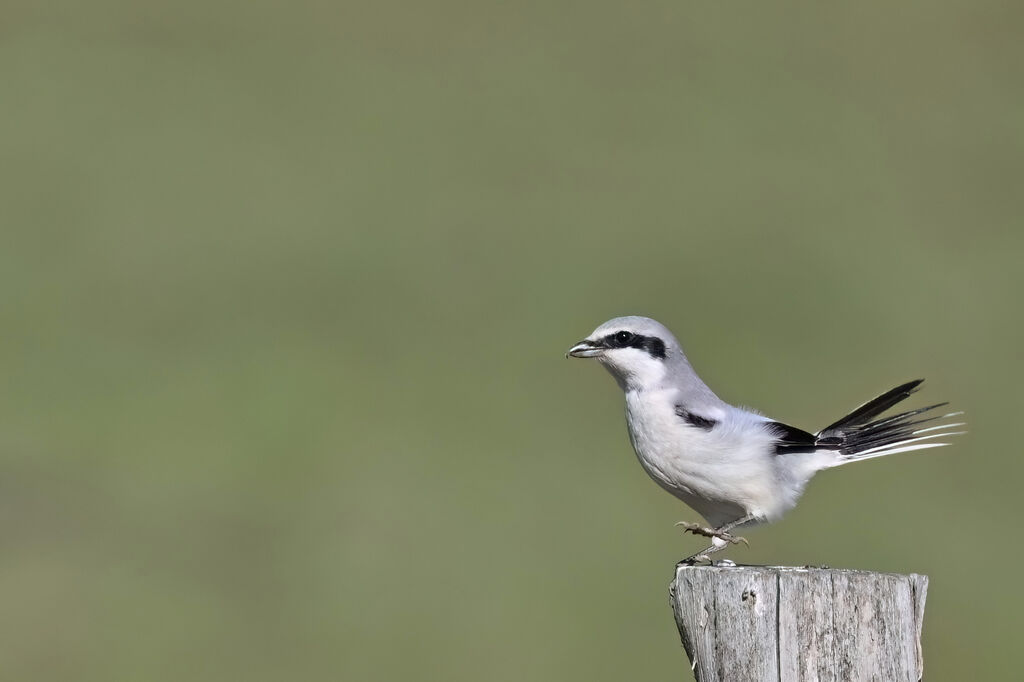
[585, 349]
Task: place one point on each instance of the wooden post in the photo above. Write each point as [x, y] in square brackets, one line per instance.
[779, 624]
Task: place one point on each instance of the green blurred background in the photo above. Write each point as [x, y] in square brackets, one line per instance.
[286, 289]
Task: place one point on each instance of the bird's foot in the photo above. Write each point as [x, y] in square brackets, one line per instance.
[698, 529]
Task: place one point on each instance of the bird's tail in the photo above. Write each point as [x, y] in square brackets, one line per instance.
[859, 435]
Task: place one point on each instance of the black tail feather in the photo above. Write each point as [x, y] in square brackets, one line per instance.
[884, 432]
[871, 409]
[911, 413]
[856, 434]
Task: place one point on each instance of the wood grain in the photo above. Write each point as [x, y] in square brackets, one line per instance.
[779, 624]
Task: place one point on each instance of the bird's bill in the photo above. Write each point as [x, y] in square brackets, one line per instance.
[585, 349]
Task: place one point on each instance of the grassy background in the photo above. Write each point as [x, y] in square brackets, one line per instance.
[285, 289]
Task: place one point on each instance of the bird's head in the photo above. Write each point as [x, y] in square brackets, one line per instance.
[636, 350]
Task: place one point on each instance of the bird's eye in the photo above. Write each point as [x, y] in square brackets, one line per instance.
[623, 337]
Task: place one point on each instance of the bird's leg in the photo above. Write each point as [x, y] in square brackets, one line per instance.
[721, 533]
[702, 555]
[720, 538]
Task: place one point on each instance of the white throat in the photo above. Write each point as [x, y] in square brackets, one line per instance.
[634, 370]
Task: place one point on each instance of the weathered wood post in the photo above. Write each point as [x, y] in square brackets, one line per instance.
[779, 624]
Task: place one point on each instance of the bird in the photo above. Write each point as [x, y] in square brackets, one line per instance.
[732, 465]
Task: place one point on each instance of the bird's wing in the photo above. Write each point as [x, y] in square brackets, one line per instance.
[791, 440]
[695, 418]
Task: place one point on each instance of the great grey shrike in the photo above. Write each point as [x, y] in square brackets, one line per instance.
[734, 466]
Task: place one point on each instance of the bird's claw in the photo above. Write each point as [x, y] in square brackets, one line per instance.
[734, 539]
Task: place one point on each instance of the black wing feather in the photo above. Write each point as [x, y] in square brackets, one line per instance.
[792, 440]
[697, 420]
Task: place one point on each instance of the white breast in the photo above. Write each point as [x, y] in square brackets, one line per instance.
[723, 473]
